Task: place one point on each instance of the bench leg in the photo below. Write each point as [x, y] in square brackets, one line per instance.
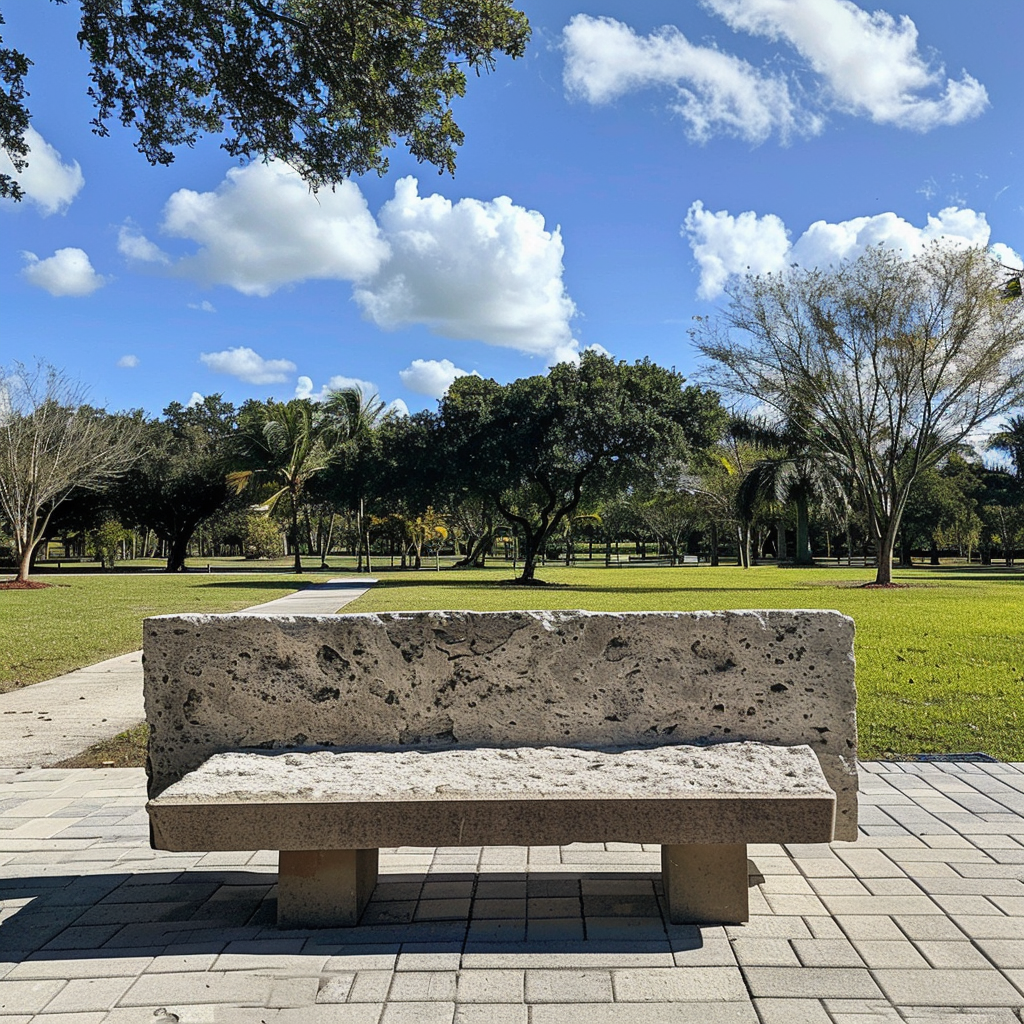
[706, 883]
[324, 888]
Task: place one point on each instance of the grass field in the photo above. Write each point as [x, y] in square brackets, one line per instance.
[940, 662]
[82, 619]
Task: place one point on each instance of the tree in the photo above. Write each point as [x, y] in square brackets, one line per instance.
[286, 444]
[325, 85]
[532, 447]
[179, 479]
[52, 443]
[886, 363]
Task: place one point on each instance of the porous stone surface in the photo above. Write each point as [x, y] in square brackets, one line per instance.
[729, 792]
[328, 776]
[437, 680]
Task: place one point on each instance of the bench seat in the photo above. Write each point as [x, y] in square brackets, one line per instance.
[329, 811]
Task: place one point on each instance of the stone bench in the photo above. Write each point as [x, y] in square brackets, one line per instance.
[330, 737]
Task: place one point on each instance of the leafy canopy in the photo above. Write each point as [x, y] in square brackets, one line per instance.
[325, 85]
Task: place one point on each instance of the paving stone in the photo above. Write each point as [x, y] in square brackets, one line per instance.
[756, 952]
[679, 984]
[490, 986]
[886, 953]
[878, 906]
[959, 955]
[234, 988]
[947, 988]
[370, 987]
[791, 1011]
[811, 982]
[1003, 952]
[480, 1013]
[335, 988]
[568, 986]
[28, 996]
[992, 926]
[826, 953]
[652, 1013]
[423, 986]
[93, 967]
[89, 994]
[418, 1013]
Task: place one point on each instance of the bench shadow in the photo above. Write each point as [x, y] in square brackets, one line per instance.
[139, 914]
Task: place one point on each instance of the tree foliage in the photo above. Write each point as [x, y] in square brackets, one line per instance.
[327, 86]
[532, 447]
[886, 363]
[52, 443]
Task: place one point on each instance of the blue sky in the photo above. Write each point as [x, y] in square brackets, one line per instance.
[612, 183]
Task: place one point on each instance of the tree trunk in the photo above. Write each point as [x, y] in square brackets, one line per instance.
[713, 560]
[781, 555]
[294, 538]
[886, 544]
[803, 532]
[177, 550]
[25, 563]
[934, 551]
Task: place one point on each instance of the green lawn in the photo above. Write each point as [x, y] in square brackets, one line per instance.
[940, 664]
[82, 619]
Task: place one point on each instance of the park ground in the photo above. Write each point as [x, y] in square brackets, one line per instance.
[940, 658]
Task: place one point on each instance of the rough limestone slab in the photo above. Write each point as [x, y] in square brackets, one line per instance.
[441, 680]
[328, 800]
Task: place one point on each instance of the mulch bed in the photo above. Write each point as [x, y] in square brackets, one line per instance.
[23, 585]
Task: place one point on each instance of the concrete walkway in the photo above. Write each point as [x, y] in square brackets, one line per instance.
[56, 719]
[921, 920]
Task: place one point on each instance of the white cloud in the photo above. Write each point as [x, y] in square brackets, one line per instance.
[715, 92]
[483, 271]
[248, 366]
[865, 65]
[47, 181]
[66, 272]
[597, 349]
[397, 407]
[304, 387]
[472, 270]
[870, 63]
[430, 377]
[196, 399]
[135, 246]
[263, 229]
[204, 307]
[727, 246]
[128, 362]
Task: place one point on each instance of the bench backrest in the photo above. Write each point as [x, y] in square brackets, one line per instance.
[433, 680]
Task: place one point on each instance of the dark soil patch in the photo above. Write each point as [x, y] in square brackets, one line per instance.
[125, 750]
[885, 586]
[533, 583]
[24, 585]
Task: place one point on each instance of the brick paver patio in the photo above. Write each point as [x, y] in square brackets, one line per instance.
[923, 918]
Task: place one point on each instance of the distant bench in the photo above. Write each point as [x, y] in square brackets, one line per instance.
[329, 737]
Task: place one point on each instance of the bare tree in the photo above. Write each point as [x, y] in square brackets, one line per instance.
[52, 443]
[887, 363]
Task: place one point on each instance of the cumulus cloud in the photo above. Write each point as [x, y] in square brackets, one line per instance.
[430, 377]
[848, 60]
[128, 362]
[196, 399]
[472, 270]
[67, 272]
[248, 366]
[484, 271]
[870, 63]
[47, 181]
[134, 245]
[727, 246]
[263, 229]
[304, 387]
[715, 92]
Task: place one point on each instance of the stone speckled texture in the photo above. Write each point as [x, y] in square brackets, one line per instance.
[324, 800]
[436, 680]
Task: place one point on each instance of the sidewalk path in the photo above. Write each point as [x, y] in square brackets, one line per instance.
[919, 922]
[56, 719]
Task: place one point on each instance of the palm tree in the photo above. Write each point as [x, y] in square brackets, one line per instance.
[291, 442]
